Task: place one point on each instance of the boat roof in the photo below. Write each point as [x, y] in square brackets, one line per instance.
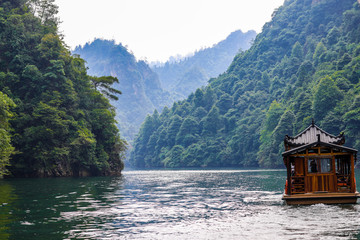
[313, 134]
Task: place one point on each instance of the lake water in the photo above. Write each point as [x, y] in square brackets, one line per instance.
[211, 204]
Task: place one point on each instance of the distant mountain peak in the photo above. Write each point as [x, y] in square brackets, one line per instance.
[212, 61]
[141, 88]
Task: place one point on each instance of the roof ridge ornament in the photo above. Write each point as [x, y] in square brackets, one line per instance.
[313, 122]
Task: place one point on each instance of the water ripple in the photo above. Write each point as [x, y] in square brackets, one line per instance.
[180, 205]
[210, 205]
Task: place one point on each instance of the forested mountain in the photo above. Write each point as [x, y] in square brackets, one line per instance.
[52, 118]
[304, 64]
[186, 75]
[140, 86]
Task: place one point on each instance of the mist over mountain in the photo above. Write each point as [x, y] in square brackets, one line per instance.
[304, 65]
[185, 75]
[141, 89]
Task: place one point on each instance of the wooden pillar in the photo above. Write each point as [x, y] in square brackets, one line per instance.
[288, 167]
[352, 173]
[307, 182]
[334, 177]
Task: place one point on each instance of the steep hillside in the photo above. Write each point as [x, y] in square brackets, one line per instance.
[305, 64]
[140, 86]
[185, 76]
[51, 113]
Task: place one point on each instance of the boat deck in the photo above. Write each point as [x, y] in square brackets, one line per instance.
[321, 197]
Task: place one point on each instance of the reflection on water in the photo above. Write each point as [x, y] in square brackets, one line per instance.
[6, 197]
[229, 204]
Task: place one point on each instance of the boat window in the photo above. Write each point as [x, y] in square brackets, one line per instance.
[313, 165]
[342, 164]
[326, 165]
[325, 150]
[320, 165]
[312, 150]
[297, 166]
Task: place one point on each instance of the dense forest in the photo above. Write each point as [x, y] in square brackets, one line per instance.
[148, 88]
[54, 118]
[304, 65]
[183, 76]
[140, 86]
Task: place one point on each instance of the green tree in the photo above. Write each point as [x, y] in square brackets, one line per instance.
[46, 11]
[297, 51]
[209, 98]
[62, 126]
[186, 135]
[327, 96]
[104, 85]
[174, 157]
[266, 155]
[285, 126]
[320, 53]
[333, 36]
[273, 116]
[352, 120]
[212, 122]
[304, 73]
[174, 127]
[199, 98]
[6, 149]
[302, 50]
[224, 103]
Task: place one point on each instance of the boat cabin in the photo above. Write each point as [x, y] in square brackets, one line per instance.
[319, 168]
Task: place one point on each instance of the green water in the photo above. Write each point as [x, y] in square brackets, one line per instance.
[32, 208]
[224, 204]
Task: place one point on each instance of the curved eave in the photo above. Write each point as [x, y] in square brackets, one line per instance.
[308, 135]
[303, 147]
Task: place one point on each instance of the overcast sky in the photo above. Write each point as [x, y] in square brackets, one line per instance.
[157, 29]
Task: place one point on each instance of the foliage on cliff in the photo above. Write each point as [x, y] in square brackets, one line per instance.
[62, 125]
[142, 91]
[304, 64]
[6, 149]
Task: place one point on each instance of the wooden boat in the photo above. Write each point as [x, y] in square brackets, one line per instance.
[319, 168]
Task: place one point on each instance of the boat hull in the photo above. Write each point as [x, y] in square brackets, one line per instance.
[325, 198]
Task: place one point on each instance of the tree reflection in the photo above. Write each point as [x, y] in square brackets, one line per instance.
[7, 197]
[54, 208]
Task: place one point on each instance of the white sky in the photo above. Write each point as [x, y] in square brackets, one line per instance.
[157, 29]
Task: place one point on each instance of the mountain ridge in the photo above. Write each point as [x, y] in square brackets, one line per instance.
[142, 90]
[140, 86]
[210, 62]
[304, 64]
